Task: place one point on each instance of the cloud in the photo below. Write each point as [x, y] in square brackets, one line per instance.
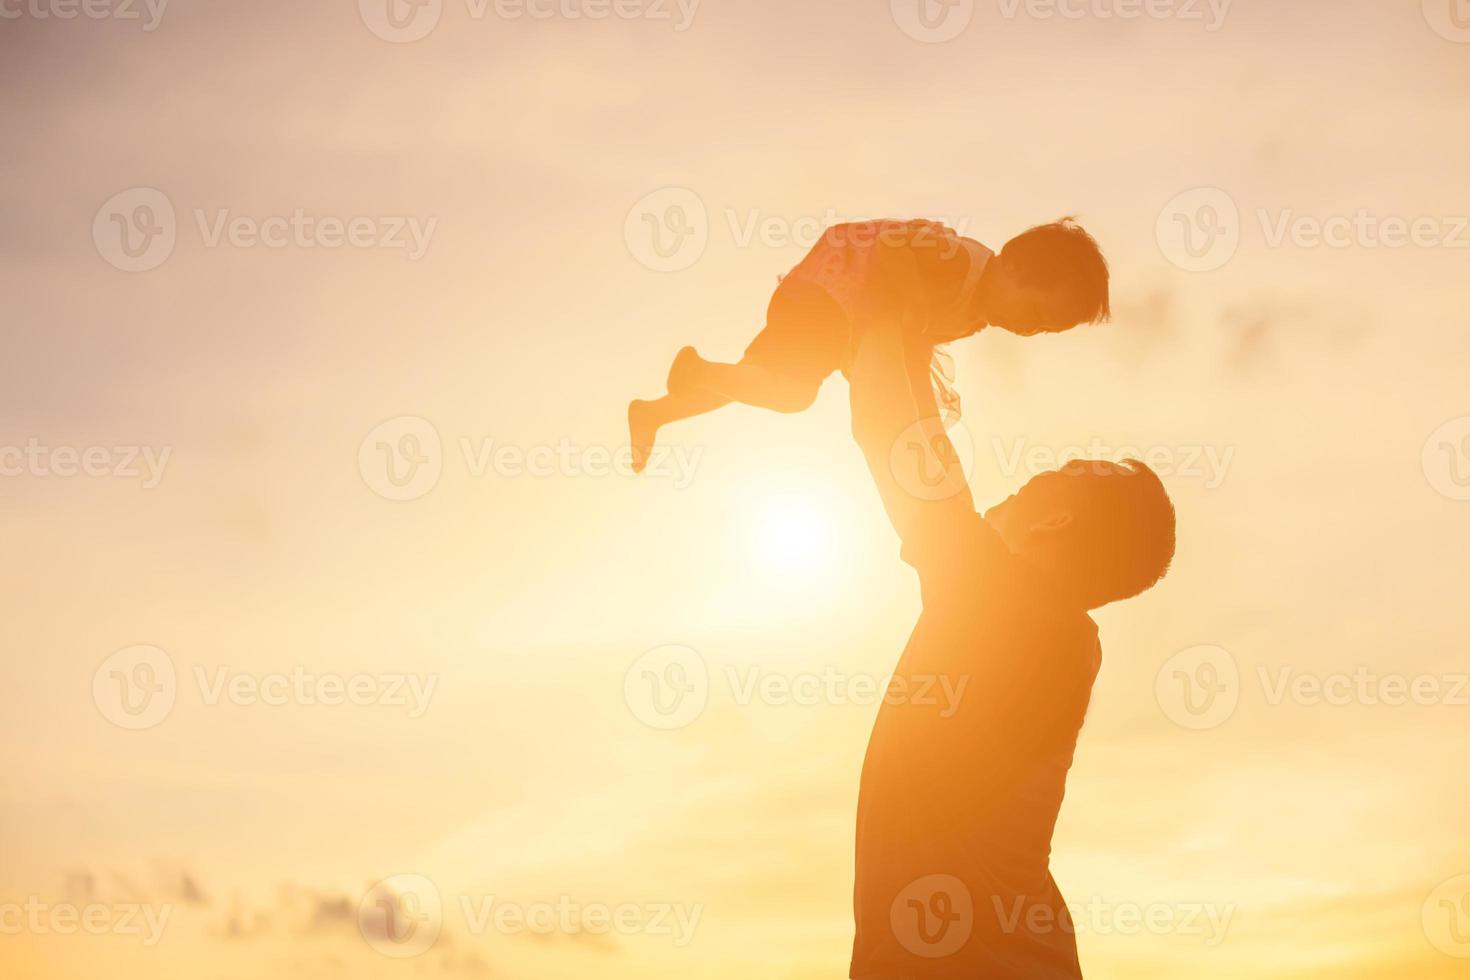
[1250, 337]
[1144, 325]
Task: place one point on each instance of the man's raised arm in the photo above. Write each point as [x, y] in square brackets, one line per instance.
[894, 416]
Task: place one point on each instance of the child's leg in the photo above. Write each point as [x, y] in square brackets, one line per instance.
[646, 418]
[697, 386]
[745, 382]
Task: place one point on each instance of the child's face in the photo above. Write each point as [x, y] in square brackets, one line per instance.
[1023, 309]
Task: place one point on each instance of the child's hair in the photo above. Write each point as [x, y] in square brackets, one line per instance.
[1066, 261]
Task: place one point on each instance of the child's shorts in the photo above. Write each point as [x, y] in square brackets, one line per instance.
[807, 334]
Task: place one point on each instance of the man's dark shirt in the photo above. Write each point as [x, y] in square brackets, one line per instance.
[960, 796]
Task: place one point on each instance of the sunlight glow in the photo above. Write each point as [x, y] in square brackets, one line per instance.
[794, 538]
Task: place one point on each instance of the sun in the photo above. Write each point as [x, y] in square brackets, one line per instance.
[794, 537]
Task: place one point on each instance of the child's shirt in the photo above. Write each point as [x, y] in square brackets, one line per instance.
[843, 264]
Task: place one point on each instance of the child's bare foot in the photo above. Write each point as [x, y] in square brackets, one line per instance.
[684, 375]
[642, 432]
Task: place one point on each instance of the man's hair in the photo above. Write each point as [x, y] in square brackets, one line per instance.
[1124, 527]
[1066, 261]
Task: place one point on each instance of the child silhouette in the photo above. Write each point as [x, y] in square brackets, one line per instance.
[1047, 280]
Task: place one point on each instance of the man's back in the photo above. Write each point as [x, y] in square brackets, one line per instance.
[966, 769]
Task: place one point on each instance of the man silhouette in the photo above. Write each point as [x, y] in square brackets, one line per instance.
[958, 802]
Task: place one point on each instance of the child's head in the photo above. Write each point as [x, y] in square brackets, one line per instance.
[1049, 279]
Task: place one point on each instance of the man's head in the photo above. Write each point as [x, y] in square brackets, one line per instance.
[1049, 279]
[1101, 531]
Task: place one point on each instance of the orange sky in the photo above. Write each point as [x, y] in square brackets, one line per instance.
[1304, 401]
